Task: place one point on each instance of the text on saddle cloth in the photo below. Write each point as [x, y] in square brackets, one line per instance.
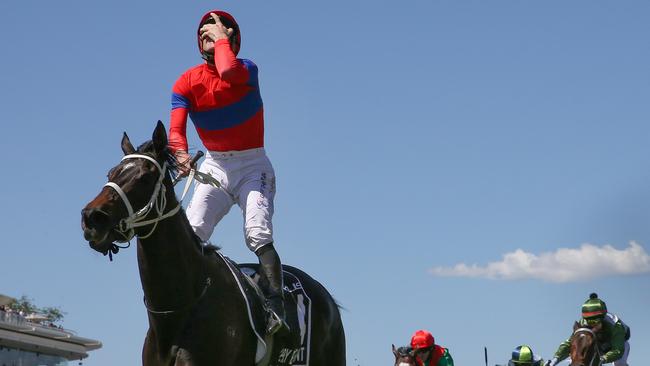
[298, 316]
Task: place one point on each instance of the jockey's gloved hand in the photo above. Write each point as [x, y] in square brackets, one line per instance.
[602, 360]
[551, 362]
[183, 159]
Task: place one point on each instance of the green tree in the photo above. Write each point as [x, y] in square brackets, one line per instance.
[53, 314]
[24, 304]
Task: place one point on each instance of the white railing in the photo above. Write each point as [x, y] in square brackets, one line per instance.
[12, 318]
[16, 319]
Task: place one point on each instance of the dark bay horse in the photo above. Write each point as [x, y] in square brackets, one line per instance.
[197, 314]
[584, 346]
[403, 357]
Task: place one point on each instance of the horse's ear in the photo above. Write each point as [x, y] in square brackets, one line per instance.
[127, 147]
[159, 137]
[576, 325]
[394, 349]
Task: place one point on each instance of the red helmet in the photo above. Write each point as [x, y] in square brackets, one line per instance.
[422, 339]
[228, 21]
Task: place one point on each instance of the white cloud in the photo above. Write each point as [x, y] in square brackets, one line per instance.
[564, 265]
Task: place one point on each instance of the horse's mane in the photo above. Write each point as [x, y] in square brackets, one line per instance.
[172, 172]
[172, 164]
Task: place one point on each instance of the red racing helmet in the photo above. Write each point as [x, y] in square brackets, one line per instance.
[229, 22]
[422, 339]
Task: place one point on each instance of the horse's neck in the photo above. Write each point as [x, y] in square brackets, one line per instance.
[168, 264]
[171, 265]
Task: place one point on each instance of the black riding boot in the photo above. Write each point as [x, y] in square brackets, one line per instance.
[271, 268]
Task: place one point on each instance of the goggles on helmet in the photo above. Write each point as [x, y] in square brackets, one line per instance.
[593, 321]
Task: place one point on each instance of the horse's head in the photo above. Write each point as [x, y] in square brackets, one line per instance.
[134, 187]
[584, 348]
[403, 357]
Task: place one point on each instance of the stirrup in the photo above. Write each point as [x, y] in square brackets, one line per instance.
[275, 323]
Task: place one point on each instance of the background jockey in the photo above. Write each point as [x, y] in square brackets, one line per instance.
[222, 97]
[524, 356]
[612, 339]
[427, 353]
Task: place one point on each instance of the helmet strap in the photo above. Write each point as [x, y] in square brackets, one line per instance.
[208, 57]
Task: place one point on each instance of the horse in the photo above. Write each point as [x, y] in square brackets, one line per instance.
[197, 313]
[584, 346]
[403, 357]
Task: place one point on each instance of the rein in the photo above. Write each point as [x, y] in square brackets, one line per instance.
[596, 355]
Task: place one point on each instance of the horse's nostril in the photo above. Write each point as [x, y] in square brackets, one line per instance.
[95, 218]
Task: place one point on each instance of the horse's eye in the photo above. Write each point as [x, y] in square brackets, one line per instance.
[147, 178]
[110, 173]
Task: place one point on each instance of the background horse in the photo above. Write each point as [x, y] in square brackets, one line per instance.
[584, 347]
[402, 357]
[197, 314]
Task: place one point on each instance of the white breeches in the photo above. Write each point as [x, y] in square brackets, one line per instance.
[247, 179]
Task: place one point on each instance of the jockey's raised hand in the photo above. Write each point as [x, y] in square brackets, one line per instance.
[215, 30]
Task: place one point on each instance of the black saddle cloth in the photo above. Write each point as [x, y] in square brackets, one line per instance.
[289, 348]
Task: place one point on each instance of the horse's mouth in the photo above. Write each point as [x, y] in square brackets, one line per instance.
[99, 229]
[100, 243]
[94, 236]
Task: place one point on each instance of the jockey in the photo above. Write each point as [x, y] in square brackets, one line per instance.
[612, 339]
[222, 97]
[427, 353]
[524, 356]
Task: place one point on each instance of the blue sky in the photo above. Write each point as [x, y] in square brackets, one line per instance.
[407, 138]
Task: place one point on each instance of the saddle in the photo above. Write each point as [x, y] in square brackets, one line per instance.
[288, 348]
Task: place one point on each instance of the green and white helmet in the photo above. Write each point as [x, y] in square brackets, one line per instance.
[594, 308]
[524, 356]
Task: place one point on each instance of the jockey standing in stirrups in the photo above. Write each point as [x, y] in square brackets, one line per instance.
[612, 339]
[426, 352]
[222, 97]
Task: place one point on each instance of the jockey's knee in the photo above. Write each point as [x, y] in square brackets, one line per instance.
[202, 233]
[257, 238]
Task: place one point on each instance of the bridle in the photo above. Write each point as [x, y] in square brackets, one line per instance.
[158, 201]
[595, 358]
